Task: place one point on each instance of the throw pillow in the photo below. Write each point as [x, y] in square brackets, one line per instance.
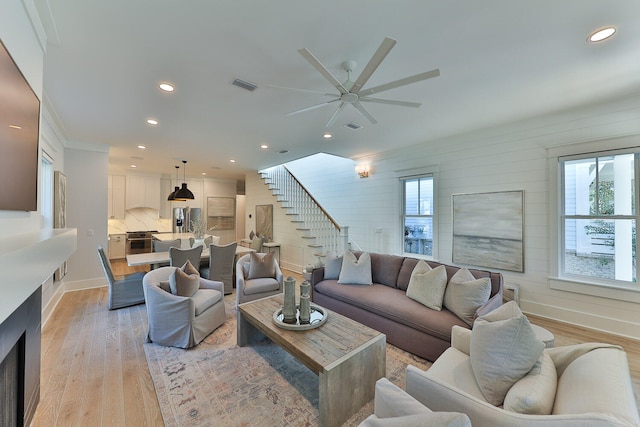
[183, 284]
[441, 419]
[333, 265]
[465, 294]
[261, 267]
[427, 285]
[535, 393]
[355, 271]
[252, 235]
[189, 268]
[503, 349]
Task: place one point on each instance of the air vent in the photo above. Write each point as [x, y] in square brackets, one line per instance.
[353, 126]
[245, 85]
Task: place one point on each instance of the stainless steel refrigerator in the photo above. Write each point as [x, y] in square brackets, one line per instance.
[182, 218]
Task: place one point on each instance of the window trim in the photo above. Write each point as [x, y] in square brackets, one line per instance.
[579, 284]
[414, 173]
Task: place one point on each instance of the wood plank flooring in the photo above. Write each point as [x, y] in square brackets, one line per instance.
[94, 370]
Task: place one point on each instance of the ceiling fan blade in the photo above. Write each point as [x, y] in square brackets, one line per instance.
[315, 92]
[384, 49]
[335, 115]
[401, 82]
[364, 112]
[313, 107]
[391, 102]
[323, 70]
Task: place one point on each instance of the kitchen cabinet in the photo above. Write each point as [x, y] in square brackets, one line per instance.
[115, 196]
[166, 187]
[142, 192]
[117, 245]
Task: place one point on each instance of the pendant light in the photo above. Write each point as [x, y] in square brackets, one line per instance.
[172, 195]
[184, 193]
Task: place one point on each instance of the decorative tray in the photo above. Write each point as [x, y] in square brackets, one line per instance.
[318, 318]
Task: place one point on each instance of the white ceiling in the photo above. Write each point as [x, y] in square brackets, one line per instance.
[500, 61]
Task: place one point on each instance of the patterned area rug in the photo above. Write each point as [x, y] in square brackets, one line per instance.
[219, 383]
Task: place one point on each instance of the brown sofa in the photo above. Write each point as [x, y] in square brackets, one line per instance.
[384, 306]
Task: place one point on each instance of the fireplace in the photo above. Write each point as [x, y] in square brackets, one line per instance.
[20, 363]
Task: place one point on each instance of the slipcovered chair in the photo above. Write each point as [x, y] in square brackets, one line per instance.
[578, 385]
[206, 242]
[393, 407]
[252, 284]
[125, 292]
[163, 246]
[256, 243]
[220, 267]
[181, 321]
[178, 257]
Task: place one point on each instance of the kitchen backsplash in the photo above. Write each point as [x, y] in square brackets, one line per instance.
[139, 219]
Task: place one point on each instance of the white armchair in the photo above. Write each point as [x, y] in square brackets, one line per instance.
[593, 387]
[180, 321]
[249, 289]
[393, 407]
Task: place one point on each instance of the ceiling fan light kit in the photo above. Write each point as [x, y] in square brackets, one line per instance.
[352, 92]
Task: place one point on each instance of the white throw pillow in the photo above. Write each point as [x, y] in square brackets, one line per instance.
[535, 393]
[333, 265]
[503, 349]
[465, 294]
[427, 285]
[355, 271]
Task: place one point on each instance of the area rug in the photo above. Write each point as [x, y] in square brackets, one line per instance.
[219, 383]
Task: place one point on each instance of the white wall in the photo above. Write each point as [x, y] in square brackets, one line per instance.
[511, 157]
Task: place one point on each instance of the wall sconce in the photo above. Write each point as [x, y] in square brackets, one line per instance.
[362, 171]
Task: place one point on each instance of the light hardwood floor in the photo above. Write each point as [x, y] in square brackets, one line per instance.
[94, 370]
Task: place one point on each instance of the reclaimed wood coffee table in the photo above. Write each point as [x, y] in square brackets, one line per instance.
[347, 356]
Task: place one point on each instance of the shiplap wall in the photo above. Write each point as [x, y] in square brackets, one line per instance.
[511, 157]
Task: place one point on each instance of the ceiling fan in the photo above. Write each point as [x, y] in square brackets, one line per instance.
[351, 92]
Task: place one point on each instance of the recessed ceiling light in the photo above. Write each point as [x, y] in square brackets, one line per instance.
[142, 147]
[602, 34]
[134, 166]
[15, 127]
[327, 136]
[204, 173]
[167, 87]
[152, 122]
[232, 161]
[264, 146]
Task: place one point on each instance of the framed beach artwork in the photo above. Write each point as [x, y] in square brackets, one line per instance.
[264, 221]
[488, 230]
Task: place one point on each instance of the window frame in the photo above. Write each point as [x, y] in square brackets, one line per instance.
[46, 191]
[413, 174]
[558, 279]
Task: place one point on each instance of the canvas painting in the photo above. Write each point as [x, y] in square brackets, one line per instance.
[264, 221]
[488, 230]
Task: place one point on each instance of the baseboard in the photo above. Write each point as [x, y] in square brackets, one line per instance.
[48, 310]
[80, 285]
[291, 266]
[608, 325]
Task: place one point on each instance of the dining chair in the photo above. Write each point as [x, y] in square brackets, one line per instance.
[221, 263]
[164, 245]
[177, 256]
[124, 292]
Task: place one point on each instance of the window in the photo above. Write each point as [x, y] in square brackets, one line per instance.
[418, 215]
[598, 218]
[46, 191]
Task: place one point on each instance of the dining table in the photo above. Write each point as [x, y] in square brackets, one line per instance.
[152, 258]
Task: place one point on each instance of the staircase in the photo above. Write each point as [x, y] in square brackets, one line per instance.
[321, 233]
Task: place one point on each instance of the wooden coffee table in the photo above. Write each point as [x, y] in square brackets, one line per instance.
[347, 356]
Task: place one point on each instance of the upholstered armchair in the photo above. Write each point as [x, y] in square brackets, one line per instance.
[252, 284]
[394, 407]
[124, 292]
[181, 321]
[586, 385]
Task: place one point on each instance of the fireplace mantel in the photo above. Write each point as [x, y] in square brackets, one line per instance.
[27, 260]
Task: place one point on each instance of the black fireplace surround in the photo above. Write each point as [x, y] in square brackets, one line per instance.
[20, 337]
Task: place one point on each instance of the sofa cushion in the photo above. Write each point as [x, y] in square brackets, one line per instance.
[183, 284]
[333, 265]
[465, 294]
[355, 271]
[385, 269]
[264, 266]
[503, 349]
[536, 391]
[205, 298]
[393, 304]
[427, 285]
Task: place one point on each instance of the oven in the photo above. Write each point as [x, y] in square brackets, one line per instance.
[139, 242]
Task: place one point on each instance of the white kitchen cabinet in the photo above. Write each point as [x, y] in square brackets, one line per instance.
[143, 192]
[166, 187]
[116, 196]
[117, 246]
